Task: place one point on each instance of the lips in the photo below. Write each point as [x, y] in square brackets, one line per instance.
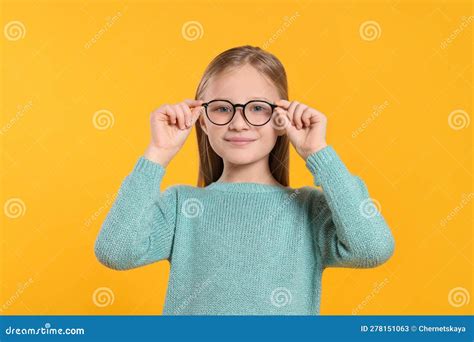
[239, 141]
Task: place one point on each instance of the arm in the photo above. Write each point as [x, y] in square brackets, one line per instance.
[139, 228]
[348, 230]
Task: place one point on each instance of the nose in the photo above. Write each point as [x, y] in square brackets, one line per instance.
[238, 122]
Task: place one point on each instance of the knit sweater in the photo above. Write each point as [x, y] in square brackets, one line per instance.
[245, 248]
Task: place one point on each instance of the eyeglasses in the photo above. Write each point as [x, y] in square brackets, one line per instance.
[256, 112]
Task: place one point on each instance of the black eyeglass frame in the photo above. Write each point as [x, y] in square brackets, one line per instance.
[235, 106]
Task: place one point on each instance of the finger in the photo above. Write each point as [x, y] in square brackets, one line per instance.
[306, 117]
[196, 113]
[300, 108]
[187, 114]
[283, 103]
[284, 122]
[193, 103]
[180, 116]
[285, 116]
[291, 110]
[280, 119]
[288, 114]
[171, 114]
[318, 117]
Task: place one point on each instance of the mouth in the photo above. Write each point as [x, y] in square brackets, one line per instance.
[240, 141]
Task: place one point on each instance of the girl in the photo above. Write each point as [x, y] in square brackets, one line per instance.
[243, 242]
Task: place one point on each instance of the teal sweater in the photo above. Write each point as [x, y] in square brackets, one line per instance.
[245, 248]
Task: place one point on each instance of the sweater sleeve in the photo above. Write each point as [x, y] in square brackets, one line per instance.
[349, 230]
[140, 225]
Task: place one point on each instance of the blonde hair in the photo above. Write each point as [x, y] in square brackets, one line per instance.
[210, 164]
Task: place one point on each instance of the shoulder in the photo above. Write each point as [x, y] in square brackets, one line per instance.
[309, 191]
[309, 195]
[183, 190]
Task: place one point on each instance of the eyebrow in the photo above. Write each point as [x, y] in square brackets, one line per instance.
[248, 99]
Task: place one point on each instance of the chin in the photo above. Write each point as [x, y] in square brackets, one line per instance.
[239, 157]
[241, 160]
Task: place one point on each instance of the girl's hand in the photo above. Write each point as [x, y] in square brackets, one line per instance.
[170, 126]
[305, 126]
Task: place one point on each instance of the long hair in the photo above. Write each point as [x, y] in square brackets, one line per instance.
[210, 164]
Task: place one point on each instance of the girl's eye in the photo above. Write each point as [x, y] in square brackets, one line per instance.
[260, 108]
[225, 108]
[256, 108]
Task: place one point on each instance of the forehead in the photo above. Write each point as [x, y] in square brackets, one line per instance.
[240, 85]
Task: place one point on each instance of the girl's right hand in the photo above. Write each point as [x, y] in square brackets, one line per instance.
[170, 126]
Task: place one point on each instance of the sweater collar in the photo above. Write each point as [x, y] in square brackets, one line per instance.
[247, 187]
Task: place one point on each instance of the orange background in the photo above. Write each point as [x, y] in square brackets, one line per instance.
[394, 79]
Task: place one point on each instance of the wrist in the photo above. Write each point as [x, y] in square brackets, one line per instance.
[314, 150]
[159, 155]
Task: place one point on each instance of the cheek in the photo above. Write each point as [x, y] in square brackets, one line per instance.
[265, 143]
[215, 136]
[268, 137]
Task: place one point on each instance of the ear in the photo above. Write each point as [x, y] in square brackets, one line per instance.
[202, 122]
[280, 132]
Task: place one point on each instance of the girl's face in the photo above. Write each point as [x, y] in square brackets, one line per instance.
[240, 86]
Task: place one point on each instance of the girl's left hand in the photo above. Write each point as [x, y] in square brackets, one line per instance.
[305, 126]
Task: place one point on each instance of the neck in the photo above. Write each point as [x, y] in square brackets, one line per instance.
[256, 172]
